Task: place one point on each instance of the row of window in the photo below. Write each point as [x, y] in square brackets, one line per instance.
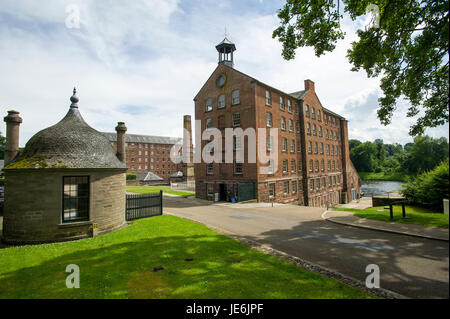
[237, 168]
[289, 188]
[221, 101]
[329, 135]
[327, 119]
[236, 119]
[144, 145]
[332, 165]
[284, 103]
[323, 182]
[152, 160]
[333, 150]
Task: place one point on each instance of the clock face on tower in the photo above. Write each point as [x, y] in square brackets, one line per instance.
[221, 79]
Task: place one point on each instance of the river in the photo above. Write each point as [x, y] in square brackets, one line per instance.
[380, 187]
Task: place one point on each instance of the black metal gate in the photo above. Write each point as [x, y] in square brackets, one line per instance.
[144, 205]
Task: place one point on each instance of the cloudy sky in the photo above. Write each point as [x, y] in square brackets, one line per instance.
[143, 61]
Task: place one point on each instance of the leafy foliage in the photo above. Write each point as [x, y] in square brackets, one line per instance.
[429, 188]
[423, 155]
[131, 177]
[409, 49]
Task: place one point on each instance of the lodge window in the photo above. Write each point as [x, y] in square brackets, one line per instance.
[314, 129]
[294, 187]
[208, 123]
[310, 147]
[75, 198]
[293, 166]
[281, 103]
[271, 167]
[310, 165]
[289, 106]
[291, 126]
[320, 131]
[235, 97]
[319, 116]
[313, 113]
[306, 110]
[321, 148]
[284, 145]
[283, 124]
[210, 189]
[292, 146]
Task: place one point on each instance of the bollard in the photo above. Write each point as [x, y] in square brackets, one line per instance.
[403, 210]
[391, 212]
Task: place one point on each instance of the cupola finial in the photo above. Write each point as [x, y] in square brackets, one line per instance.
[74, 99]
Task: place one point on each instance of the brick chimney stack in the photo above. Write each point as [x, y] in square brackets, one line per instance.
[187, 139]
[13, 121]
[121, 129]
[309, 85]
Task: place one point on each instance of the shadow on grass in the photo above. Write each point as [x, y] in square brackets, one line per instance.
[221, 268]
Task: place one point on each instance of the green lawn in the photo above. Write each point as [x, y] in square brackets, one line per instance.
[381, 176]
[416, 215]
[120, 265]
[156, 189]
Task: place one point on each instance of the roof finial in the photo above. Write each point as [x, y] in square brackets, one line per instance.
[74, 99]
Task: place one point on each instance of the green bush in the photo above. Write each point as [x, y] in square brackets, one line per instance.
[131, 177]
[429, 188]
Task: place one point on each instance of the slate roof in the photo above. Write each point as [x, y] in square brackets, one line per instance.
[299, 95]
[147, 176]
[135, 138]
[71, 143]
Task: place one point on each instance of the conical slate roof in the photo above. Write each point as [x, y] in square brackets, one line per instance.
[71, 143]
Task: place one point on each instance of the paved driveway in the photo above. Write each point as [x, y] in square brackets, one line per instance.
[414, 267]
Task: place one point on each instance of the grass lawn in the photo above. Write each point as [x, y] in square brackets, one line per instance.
[156, 189]
[120, 265]
[418, 215]
[381, 176]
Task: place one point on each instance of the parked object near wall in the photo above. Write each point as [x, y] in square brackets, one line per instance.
[67, 184]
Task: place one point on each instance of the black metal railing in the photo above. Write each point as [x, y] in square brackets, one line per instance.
[144, 205]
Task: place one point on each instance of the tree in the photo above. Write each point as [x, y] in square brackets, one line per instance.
[353, 143]
[425, 154]
[363, 157]
[429, 188]
[408, 47]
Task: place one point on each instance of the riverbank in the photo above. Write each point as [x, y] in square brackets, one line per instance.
[382, 176]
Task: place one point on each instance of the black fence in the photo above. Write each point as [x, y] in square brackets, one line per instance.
[144, 205]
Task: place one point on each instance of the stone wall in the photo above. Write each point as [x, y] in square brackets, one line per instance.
[34, 201]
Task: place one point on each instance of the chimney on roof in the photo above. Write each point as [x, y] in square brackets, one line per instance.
[309, 85]
[121, 129]
[13, 121]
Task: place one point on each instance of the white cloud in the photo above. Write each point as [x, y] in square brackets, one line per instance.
[158, 54]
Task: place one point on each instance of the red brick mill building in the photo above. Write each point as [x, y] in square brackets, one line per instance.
[314, 166]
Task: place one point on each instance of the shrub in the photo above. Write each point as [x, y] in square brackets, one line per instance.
[131, 177]
[429, 188]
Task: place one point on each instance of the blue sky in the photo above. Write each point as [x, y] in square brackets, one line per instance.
[143, 61]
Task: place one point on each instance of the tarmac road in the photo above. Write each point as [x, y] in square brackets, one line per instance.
[414, 267]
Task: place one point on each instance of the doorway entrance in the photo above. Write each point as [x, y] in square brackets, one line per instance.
[222, 192]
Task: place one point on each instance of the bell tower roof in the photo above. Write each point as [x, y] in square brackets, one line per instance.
[226, 49]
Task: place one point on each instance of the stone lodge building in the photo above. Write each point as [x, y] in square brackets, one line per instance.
[314, 167]
[67, 184]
